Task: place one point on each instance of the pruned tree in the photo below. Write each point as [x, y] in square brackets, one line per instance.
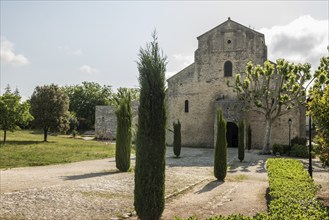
[220, 162]
[49, 107]
[123, 137]
[273, 90]
[13, 112]
[318, 108]
[151, 142]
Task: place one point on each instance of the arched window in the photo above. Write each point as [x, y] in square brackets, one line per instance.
[228, 69]
[186, 105]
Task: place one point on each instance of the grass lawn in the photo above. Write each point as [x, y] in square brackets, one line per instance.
[26, 148]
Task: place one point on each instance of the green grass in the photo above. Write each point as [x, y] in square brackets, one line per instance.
[26, 148]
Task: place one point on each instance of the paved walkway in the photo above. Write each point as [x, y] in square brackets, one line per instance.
[96, 190]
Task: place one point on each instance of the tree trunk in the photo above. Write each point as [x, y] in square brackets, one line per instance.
[4, 136]
[267, 135]
[45, 133]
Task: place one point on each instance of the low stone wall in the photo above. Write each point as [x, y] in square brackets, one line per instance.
[106, 121]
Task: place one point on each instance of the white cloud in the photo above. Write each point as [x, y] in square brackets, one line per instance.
[8, 55]
[178, 63]
[69, 51]
[88, 69]
[303, 40]
[183, 60]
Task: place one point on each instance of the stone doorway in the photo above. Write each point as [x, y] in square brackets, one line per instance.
[232, 131]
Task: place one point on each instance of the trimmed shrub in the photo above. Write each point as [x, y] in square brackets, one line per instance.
[151, 134]
[123, 137]
[286, 148]
[292, 191]
[298, 141]
[241, 141]
[300, 151]
[177, 138]
[249, 131]
[220, 163]
[277, 148]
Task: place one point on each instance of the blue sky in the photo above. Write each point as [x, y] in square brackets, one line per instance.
[68, 42]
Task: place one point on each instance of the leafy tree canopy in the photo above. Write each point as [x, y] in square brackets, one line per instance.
[318, 108]
[83, 101]
[49, 106]
[13, 112]
[273, 90]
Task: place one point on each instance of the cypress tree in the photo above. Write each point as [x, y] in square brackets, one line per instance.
[220, 163]
[123, 137]
[150, 146]
[177, 138]
[241, 141]
[249, 137]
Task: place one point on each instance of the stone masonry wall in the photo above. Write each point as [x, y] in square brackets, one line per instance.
[203, 82]
[106, 121]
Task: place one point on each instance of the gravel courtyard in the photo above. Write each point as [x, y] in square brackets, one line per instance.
[96, 190]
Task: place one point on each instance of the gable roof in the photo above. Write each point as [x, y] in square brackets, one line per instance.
[226, 22]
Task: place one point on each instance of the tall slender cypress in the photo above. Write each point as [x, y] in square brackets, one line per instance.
[249, 137]
[177, 138]
[220, 163]
[241, 141]
[150, 146]
[123, 137]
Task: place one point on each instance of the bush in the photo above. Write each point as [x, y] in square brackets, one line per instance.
[300, 151]
[286, 148]
[249, 131]
[177, 138]
[277, 148]
[220, 163]
[322, 149]
[123, 137]
[241, 141]
[298, 141]
[151, 134]
[292, 191]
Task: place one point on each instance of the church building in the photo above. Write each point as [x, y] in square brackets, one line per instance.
[196, 92]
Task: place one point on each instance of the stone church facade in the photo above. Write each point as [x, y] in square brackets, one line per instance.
[197, 91]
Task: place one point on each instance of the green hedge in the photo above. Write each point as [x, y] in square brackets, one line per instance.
[292, 191]
[300, 151]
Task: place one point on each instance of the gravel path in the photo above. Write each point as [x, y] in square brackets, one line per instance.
[96, 190]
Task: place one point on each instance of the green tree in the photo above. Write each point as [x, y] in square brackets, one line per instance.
[241, 141]
[134, 94]
[272, 90]
[220, 163]
[49, 107]
[123, 137]
[83, 101]
[318, 108]
[177, 138]
[151, 141]
[249, 140]
[13, 112]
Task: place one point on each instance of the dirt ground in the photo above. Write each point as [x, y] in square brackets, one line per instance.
[96, 190]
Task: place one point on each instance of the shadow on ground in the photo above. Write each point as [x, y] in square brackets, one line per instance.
[90, 175]
[210, 186]
[26, 142]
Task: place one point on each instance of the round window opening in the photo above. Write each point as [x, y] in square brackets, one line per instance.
[229, 41]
